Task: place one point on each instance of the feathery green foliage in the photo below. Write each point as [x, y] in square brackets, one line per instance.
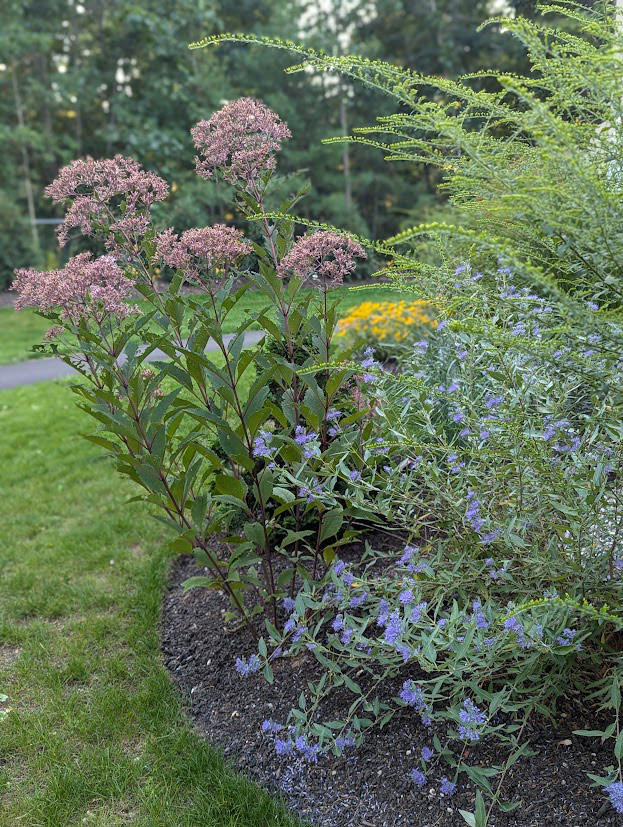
[536, 166]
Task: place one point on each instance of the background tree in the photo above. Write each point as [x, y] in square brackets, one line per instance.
[99, 77]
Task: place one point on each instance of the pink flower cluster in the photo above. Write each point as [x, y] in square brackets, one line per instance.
[323, 257]
[240, 141]
[84, 288]
[200, 250]
[98, 188]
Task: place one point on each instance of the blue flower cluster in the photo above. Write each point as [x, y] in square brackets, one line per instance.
[261, 444]
[412, 695]
[471, 718]
[615, 794]
[247, 667]
[308, 440]
[474, 518]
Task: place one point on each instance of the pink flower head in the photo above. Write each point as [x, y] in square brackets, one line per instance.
[97, 189]
[323, 257]
[240, 141]
[84, 288]
[200, 250]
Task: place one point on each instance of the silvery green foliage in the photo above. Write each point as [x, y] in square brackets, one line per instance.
[497, 447]
[497, 450]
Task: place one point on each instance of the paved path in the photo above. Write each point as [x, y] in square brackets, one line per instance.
[38, 370]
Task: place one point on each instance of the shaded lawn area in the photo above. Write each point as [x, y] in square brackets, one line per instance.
[96, 734]
[21, 331]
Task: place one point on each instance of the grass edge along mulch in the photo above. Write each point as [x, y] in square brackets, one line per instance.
[95, 734]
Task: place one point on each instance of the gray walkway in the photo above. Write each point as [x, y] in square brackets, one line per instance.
[38, 370]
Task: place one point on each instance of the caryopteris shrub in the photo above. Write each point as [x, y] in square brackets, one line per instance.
[496, 446]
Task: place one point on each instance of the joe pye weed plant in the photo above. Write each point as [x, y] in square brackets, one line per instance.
[227, 445]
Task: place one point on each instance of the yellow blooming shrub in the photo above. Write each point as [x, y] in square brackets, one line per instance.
[387, 321]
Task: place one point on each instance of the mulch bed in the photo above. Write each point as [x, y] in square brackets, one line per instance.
[368, 787]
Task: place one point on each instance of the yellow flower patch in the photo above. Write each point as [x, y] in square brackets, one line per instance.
[386, 320]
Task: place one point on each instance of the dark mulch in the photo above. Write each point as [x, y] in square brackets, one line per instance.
[369, 787]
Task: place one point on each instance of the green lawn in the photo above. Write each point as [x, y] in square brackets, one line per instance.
[95, 734]
[19, 332]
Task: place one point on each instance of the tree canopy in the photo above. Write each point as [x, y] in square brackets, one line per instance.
[98, 78]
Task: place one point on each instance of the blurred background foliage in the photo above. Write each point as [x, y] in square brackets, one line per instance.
[98, 77]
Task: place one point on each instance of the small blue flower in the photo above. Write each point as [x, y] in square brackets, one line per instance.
[260, 448]
[407, 555]
[412, 695]
[245, 668]
[309, 752]
[490, 537]
[416, 612]
[447, 787]
[615, 794]
[283, 747]
[358, 600]
[513, 625]
[343, 741]
[393, 629]
[479, 617]
[493, 402]
[471, 718]
[310, 493]
[270, 726]
[406, 596]
[301, 436]
[369, 360]
[427, 753]
[404, 651]
[298, 634]
[346, 636]
[418, 777]
[383, 613]
[566, 637]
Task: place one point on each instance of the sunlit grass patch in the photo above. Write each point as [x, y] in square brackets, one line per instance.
[95, 734]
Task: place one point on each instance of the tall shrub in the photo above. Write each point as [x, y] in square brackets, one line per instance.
[222, 445]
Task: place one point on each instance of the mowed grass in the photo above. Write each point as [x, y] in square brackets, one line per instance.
[95, 734]
[21, 331]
